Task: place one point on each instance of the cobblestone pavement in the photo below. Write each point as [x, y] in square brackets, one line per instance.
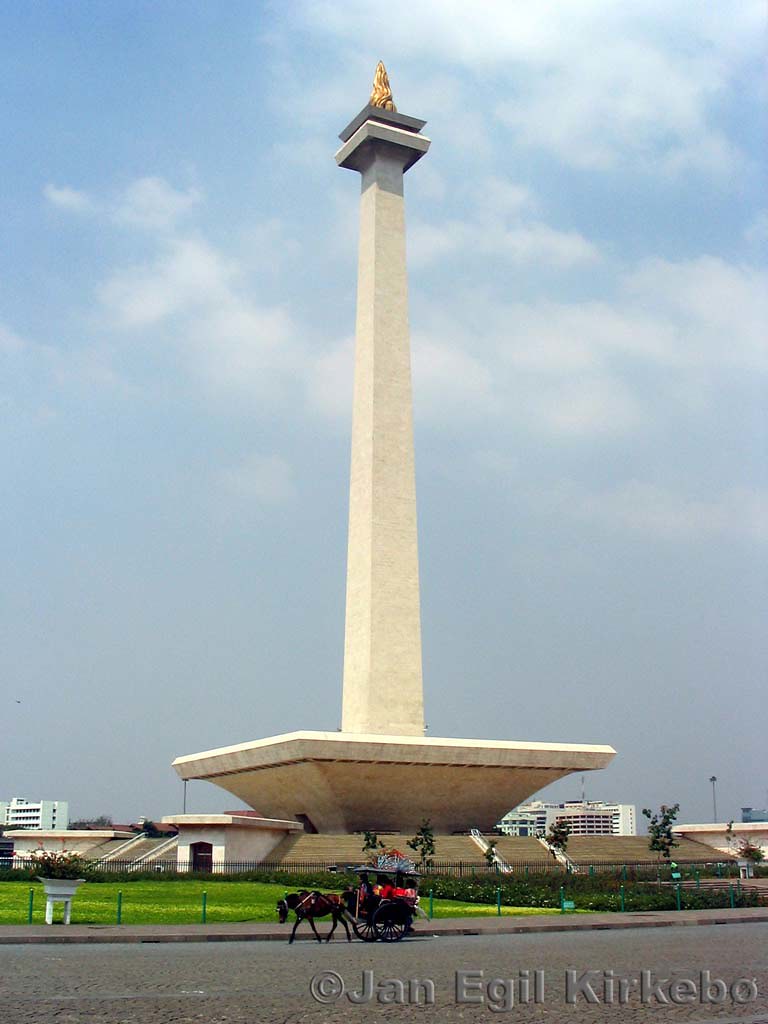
[238, 982]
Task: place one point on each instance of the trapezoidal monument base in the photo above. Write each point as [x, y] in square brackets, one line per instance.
[345, 782]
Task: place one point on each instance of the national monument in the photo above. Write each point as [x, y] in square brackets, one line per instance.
[380, 772]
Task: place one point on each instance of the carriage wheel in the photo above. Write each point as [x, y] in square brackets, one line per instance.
[390, 925]
[391, 931]
[365, 930]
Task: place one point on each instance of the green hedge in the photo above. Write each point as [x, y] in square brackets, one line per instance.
[289, 879]
[598, 892]
[544, 891]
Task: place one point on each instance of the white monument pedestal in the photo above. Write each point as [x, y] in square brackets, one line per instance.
[341, 782]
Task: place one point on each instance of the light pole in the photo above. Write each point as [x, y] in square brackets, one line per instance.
[713, 780]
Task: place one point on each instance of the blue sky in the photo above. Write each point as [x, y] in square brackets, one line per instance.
[587, 252]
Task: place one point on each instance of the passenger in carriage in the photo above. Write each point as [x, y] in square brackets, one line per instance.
[386, 890]
[365, 893]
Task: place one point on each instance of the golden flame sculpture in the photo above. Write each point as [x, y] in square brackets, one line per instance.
[381, 96]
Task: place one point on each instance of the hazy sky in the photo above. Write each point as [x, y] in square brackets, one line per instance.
[587, 251]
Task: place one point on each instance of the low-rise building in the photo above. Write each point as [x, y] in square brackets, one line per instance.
[233, 840]
[42, 814]
[727, 838]
[583, 817]
[749, 814]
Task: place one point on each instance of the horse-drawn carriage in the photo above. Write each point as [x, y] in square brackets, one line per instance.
[382, 910]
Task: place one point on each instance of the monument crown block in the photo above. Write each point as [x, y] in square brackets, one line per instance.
[380, 772]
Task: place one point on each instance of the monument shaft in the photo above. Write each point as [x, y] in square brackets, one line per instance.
[383, 690]
[380, 772]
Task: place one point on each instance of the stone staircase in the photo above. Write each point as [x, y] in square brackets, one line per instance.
[558, 855]
[327, 849]
[104, 850]
[348, 849]
[521, 850]
[140, 850]
[161, 848]
[585, 850]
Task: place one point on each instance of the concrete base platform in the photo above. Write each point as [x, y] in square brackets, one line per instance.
[344, 782]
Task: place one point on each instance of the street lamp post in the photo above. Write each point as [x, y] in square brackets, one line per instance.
[713, 780]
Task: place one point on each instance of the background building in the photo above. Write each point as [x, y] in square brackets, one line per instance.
[753, 814]
[43, 814]
[585, 818]
[727, 840]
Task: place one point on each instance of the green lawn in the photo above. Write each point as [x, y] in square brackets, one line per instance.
[181, 903]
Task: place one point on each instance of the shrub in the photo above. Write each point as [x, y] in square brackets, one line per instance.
[58, 864]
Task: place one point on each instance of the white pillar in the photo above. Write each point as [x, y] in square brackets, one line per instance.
[383, 689]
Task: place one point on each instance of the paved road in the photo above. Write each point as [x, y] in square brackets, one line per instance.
[269, 983]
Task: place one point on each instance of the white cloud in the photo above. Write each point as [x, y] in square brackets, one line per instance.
[41, 376]
[310, 151]
[570, 369]
[69, 199]
[241, 349]
[188, 274]
[532, 243]
[651, 509]
[10, 342]
[195, 299]
[429, 243]
[148, 203]
[695, 314]
[428, 184]
[597, 84]
[717, 311]
[265, 479]
[623, 101]
[449, 382]
[152, 204]
[329, 380]
[757, 230]
[586, 405]
[500, 225]
[519, 367]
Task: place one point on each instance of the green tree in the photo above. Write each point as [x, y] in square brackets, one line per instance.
[751, 851]
[101, 821]
[371, 843]
[730, 836]
[490, 852]
[423, 843]
[558, 836]
[661, 839]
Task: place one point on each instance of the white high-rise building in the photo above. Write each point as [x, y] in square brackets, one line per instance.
[584, 818]
[41, 814]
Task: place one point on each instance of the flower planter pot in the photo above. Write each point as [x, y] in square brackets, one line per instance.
[59, 890]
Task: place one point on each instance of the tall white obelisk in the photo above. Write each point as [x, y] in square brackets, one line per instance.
[383, 689]
[381, 772]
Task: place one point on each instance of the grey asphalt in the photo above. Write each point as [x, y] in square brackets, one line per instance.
[269, 983]
[273, 932]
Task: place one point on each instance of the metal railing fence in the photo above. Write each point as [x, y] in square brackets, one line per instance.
[637, 871]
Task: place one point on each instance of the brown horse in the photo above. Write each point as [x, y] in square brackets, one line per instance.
[309, 905]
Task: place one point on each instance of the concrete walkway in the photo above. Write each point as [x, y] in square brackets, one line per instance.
[267, 932]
